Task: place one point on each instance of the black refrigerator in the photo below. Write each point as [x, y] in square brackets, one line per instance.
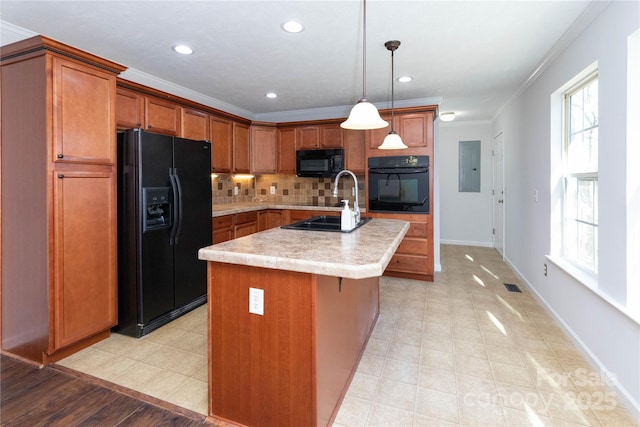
[164, 217]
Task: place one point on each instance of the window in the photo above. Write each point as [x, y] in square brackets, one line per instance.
[580, 175]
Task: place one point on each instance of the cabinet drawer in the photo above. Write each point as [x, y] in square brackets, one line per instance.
[222, 222]
[417, 229]
[243, 218]
[413, 246]
[409, 264]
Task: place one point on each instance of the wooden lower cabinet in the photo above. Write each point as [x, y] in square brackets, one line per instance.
[85, 257]
[414, 257]
[292, 365]
[228, 227]
[270, 218]
[222, 228]
[294, 215]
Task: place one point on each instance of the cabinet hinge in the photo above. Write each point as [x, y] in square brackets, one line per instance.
[494, 231]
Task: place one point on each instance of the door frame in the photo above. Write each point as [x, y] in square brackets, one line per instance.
[498, 194]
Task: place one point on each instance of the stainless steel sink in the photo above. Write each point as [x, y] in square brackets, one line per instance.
[323, 223]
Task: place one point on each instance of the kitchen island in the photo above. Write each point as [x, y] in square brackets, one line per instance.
[314, 302]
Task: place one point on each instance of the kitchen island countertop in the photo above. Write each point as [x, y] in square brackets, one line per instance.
[365, 252]
[221, 209]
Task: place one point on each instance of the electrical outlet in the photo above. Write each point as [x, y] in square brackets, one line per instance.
[272, 189]
[545, 270]
[235, 191]
[256, 301]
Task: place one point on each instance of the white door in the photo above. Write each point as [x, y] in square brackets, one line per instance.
[498, 193]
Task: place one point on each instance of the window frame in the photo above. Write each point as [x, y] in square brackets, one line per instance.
[572, 255]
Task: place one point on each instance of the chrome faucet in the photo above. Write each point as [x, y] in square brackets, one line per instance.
[356, 207]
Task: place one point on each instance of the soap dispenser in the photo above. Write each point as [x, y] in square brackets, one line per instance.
[345, 219]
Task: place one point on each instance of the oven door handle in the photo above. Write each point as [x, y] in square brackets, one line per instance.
[400, 171]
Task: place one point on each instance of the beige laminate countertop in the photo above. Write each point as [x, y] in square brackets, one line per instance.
[234, 208]
[365, 252]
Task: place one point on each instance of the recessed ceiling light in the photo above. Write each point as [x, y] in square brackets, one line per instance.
[292, 27]
[405, 79]
[183, 49]
[271, 95]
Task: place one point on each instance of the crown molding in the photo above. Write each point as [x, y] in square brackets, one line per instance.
[10, 33]
[587, 16]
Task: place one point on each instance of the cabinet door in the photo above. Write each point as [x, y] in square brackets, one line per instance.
[331, 136]
[194, 124]
[354, 151]
[85, 260]
[241, 150]
[307, 137]
[375, 137]
[222, 228]
[264, 157]
[415, 129]
[83, 114]
[221, 145]
[270, 218]
[129, 109]
[162, 116]
[287, 151]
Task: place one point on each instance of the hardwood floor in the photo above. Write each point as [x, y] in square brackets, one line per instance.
[56, 396]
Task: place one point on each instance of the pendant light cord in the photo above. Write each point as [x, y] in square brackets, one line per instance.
[392, 94]
[364, 50]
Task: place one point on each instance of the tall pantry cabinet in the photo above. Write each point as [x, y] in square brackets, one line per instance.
[59, 259]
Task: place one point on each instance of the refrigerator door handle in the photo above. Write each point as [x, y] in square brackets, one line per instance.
[180, 210]
[176, 209]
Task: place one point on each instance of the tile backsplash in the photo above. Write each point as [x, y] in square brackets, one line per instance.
[288, 189]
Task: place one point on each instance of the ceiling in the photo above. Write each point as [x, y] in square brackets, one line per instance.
[469, 56]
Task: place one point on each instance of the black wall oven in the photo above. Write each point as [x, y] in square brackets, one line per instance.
[399, 184]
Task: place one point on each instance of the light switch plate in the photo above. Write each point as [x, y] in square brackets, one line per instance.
[256, 301]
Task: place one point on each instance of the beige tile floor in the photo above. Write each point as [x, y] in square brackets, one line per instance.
[460, 351]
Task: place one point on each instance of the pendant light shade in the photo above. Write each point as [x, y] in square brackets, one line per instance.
[364, 115]
[392, 141]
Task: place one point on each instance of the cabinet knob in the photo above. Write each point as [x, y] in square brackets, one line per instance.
[149, 126]
[60, 176]
[138, 124]
[60, 156]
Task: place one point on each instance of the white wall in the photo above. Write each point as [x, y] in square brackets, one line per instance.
[596, 319]
[466, 218]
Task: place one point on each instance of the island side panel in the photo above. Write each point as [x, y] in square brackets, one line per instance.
[261, 367]
[345, 316]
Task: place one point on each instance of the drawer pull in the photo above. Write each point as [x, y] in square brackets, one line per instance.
[60, 176]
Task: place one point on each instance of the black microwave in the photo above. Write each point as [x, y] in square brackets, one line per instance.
[319, 163]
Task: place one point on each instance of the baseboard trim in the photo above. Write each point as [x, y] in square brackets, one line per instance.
[466, 243]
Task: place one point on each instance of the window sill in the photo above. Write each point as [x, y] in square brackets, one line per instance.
[590, 281]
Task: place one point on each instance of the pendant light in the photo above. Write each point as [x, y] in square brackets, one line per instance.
[364, 115]
[392, 141]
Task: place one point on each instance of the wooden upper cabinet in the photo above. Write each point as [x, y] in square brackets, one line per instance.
[354, 150]
[307, 137]
[162, 116]
[287, 150]
[264, 149]
[375, 137]
[129, 109]
[330, 136]
[194, 124]
[84, 289]
[84, 115]
[221, 131]
[241, 142]
[416, 130]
